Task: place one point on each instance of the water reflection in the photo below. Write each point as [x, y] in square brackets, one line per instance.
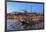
[13, 24]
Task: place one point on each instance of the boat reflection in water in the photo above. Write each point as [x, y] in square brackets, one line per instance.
[15, 24]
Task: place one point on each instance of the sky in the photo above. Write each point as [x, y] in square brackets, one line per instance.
[18, 7]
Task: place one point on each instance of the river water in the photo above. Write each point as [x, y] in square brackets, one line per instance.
[13, 24]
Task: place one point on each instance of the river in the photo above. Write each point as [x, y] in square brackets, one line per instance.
[13, 24]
